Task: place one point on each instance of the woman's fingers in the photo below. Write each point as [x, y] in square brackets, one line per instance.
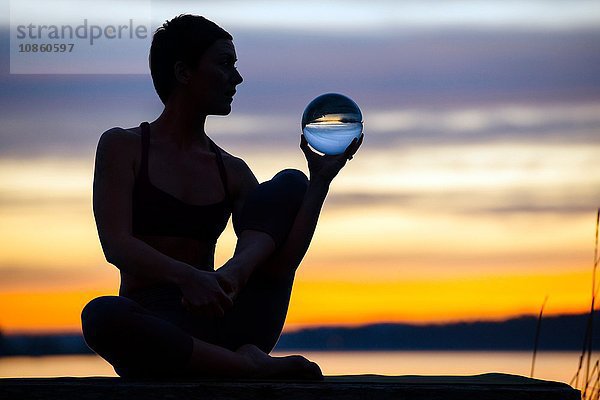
[217, 307]
[347, 154]
[225, 284]
[304, 145]
[353, 147]
[303, 141]
[225, 301]
[186, 304]
[328, 166]
[218, 311]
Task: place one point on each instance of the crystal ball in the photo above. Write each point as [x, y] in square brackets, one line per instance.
[330, 122]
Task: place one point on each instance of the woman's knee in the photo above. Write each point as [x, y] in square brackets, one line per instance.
[291, 185]
[100, 308]
[273, 205]
[292, 173]
[293, 179]
[135, 341]
[102, 316]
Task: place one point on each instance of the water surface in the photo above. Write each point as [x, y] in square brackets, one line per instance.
[556, 366]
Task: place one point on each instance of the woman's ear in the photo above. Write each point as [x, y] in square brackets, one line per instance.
[182, 72]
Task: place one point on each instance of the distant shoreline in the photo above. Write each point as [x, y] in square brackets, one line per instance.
[558, 333]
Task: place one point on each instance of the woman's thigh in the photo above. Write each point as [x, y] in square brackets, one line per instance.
[165, 302]
[134, 340]
[148, 333]
[258, 314]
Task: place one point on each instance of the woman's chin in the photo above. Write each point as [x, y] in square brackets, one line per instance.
[225, 110]
[222, 114]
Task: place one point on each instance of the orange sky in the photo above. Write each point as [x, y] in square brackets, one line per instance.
[387, 261]
[339, 302]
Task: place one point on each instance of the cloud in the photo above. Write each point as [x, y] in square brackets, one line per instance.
[41, 200]
[384, 15]
[414, 86]
[33, 277]
[474, 202]
[395, 128]
[77, 135]
[567, 122]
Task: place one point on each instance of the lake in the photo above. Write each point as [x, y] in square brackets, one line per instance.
[556, 366]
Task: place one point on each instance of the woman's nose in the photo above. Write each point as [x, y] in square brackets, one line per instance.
[237, 79]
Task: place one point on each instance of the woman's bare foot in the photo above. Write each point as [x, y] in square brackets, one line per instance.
[288, 367]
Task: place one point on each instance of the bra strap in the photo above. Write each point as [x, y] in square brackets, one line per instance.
[222, 171]
[145, 129]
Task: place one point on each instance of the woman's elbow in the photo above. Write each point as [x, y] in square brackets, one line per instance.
[111, 255]
[113, 249]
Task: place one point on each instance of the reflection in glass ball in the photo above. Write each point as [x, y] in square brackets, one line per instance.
[330, 123]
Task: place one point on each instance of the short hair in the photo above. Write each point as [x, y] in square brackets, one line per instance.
[183, 38]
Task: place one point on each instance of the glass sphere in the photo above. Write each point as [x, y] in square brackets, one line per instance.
[330, 122]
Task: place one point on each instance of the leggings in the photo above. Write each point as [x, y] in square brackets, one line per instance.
[150, 334]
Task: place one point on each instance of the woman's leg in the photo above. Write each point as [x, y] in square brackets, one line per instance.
[257, 316]
[140, 344]
[267, 218]
[259, 311]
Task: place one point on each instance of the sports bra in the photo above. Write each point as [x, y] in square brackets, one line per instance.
[156, 212]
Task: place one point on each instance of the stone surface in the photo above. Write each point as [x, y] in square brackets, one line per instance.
[373, 387]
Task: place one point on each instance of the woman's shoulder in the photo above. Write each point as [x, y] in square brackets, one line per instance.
[120, 143]
[237, 169]
[120, 137]
[121, 134]
[234, 163]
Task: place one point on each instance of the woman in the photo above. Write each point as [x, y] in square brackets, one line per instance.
[163, 193]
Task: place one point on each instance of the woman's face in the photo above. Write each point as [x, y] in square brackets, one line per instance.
[212, 83]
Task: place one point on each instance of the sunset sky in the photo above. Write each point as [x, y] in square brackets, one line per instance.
[473, 197]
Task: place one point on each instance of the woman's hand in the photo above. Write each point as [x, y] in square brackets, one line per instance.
[326, 167]
[228, 279]
[203, 294]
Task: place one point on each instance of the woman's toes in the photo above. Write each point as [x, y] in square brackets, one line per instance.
[315, 371]
[288, 367]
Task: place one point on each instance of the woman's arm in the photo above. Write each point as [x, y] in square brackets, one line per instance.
[252, 247]
[114, 176]
[244, 182]
[255, 247]
[323, 169]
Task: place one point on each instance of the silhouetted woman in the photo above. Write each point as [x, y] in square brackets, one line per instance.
[163, 193]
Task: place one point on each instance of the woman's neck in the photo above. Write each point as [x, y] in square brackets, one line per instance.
[181, 125]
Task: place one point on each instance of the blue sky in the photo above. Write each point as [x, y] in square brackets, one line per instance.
[427, 75]
[355, 14]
